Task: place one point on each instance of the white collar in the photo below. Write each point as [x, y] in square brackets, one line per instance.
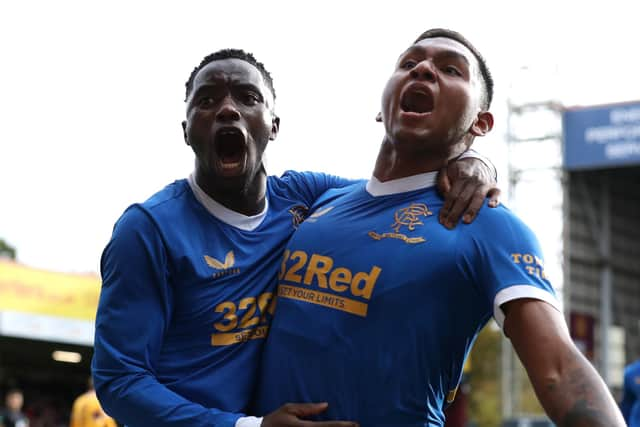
[224, 214]
[401, 185]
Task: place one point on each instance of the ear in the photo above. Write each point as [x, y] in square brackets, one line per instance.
[483, 124]
[184, 132]
[379, 117]
[275, 127]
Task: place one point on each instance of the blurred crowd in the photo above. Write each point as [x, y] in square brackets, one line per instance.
[46, 410]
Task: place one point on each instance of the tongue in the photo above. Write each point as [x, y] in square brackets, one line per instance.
[231, 157]
[417, 102]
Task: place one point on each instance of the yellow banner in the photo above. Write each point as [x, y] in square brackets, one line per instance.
[45, 292]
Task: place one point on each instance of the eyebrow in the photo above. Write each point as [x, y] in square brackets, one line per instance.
[442, 54]
[234, 84]
[248, 86]
[453, 55]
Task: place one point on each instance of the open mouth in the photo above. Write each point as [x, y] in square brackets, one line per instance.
[230, 147]
[416, 99]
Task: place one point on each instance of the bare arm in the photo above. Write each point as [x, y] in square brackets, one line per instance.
[568, 387]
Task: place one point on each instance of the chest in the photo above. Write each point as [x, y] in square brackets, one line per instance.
[361, 256]
[216, 270]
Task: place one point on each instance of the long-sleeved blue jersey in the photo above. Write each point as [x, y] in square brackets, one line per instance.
[184, 308]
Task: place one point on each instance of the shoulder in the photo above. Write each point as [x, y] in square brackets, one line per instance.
[501, 241]
[295, 178]
[499, 237]
[291, 176]
[160, 205]
[308, 179]
[174, 191]
[334, 194]
[498, 222]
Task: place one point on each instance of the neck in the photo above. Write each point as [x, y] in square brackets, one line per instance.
[394, 163]
[247, 198]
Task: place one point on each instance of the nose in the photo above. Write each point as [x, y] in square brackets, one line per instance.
[423, 70]
[228, 111]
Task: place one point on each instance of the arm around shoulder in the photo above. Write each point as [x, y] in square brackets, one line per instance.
[308, 186]
[465, 182]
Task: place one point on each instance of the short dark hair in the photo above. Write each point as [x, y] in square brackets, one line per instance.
[227, 54]
[484, 70]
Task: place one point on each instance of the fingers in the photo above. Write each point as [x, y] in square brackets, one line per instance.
[477, 199]
[457, 201]
[305, 409]
[448, 192]
[290, 414]
[444, 210]
[443, 183]
[494, 197]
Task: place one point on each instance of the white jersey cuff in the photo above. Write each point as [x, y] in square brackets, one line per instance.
[517, 292]
[249, 422]
[473, 154]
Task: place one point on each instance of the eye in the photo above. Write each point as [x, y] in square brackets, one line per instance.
[251, 98]
[205, 102]
[449, 69]
[408, 64]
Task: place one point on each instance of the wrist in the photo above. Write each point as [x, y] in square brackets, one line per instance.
[473, 154]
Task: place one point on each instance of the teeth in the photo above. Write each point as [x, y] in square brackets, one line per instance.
[230, 165]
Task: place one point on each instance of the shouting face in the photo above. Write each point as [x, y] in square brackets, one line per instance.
[229, 122]
[432, 101]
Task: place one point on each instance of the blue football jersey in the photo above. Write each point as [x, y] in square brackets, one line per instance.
[379, 304]
[184, 308]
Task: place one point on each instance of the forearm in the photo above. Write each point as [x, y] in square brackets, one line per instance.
[568, 387]
[140, 400]
[124, 374]
[574, 395]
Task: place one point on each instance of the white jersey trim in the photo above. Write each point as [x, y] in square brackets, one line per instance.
[517, 292]
[401, 185]
[473, 154]
[248, 422]
[226, 215]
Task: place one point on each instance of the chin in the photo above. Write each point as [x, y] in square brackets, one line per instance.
[413, 137]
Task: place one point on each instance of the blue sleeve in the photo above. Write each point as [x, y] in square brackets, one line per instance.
[134, 311]
[628, 396]
[310, 185]
[500, 253]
